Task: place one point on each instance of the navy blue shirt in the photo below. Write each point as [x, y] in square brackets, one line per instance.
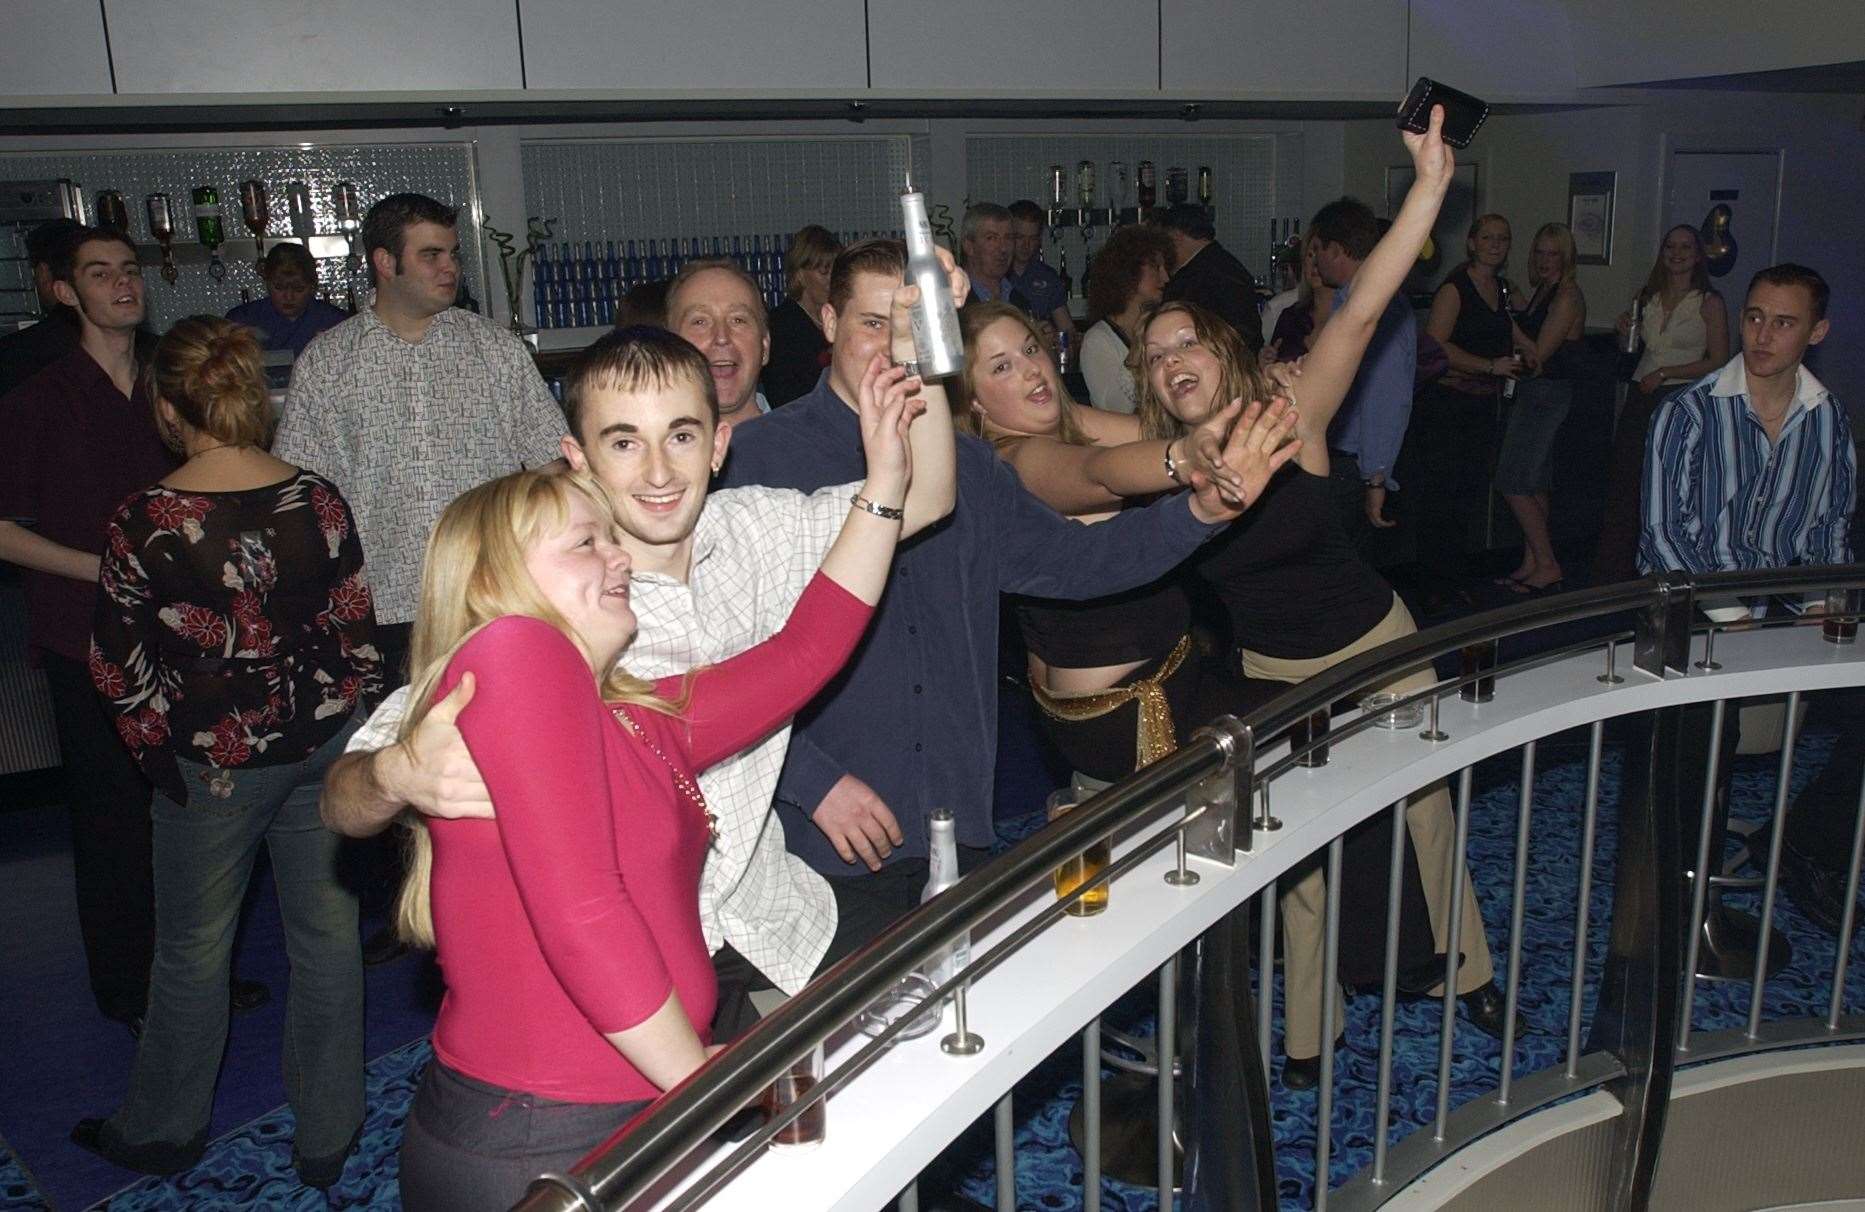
[914, 715]
[282, 333]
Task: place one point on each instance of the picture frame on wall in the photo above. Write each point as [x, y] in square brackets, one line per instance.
[1589, 215]
[1463, 202]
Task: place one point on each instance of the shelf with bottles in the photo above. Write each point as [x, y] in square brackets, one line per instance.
[580, 284]
[1093, 217]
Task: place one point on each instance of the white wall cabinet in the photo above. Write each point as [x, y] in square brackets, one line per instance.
[313, 46]
[1347, 49]
[1523, 49]
[53, 48]
[985, 48]
[1639, 41]
[728, 46]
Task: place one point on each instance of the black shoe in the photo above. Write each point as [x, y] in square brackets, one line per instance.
[248, 995]
[1817, 890]
[132, 1023]
[153, 1158]
[383, 947]
[1485, 1007]
[324, 1172]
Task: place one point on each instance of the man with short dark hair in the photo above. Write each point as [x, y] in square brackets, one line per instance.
[25, 353]
[911, 724]
[291, 313]
[404, 406]
[81, 436]
[1033, 276]
[1751, 467]
[984, 252]
[715, 305]
[1364, 438]
[1204, 272]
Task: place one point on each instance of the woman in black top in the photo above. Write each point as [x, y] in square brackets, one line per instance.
[1101, 671]
[1298, 597]
[1456, 415]
[233, 643]
[798, 348]
[1555, 319]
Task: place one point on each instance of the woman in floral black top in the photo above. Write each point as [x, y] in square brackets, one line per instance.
[233, 642]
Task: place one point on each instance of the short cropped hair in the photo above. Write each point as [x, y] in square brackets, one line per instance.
[812, 247]
[885, 257]
[45, 242]
[1790, 274]
[387, 223]
[978, 214]
[64, 263]
[1028, 212]
[1349, 223]
[634, 359]
[1188, 220]
[289, 256]
[693, 269]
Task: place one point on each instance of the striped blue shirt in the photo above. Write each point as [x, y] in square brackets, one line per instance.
[1719, 497]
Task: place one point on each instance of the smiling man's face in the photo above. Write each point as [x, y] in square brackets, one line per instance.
[655, 449]
[722, 317]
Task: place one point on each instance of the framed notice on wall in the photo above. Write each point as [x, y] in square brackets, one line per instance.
[1589, 215]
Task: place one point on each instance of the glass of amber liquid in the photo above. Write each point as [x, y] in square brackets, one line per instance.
[808, 1129]
[1082, 868]
[1841, 624]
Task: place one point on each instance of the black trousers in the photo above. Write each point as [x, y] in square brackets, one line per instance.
[1822, 817]
[866, 905]
[738, 978]
[111, 854]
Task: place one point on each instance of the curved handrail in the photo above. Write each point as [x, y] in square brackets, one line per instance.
[641, 1155]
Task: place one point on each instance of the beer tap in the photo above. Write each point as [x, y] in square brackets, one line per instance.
[208, 226]
[349, 222]
[112, 214]
[162, 227]
[256, 213]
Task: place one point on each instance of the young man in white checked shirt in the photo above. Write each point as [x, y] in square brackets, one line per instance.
[712, 575]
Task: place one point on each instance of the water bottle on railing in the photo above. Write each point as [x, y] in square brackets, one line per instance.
[942, 873]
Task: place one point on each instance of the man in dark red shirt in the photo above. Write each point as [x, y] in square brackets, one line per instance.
[80, 437]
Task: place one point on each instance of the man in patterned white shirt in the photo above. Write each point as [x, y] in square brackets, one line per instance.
[404, 406]
[713, 574]
[411, 402]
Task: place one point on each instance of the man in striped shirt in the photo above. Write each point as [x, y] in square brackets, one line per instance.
[1753, 467]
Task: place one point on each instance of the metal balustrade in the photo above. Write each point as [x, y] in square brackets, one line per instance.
[1194, 842]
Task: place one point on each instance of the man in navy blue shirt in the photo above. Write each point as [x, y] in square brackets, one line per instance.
[911, 724]
[1035, 277]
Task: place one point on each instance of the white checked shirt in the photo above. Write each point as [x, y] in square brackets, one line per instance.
[403, 429]
[754, 550]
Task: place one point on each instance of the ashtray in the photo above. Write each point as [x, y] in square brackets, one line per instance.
[1380, 706]
[909, 996]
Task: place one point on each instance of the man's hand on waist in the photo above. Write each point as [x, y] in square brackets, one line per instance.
[858, 822]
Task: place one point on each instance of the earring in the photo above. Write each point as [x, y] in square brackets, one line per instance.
[171, 437]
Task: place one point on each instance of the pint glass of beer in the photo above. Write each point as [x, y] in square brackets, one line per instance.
[1076, 871]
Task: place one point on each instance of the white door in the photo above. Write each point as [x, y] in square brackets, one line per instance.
[1749, 184]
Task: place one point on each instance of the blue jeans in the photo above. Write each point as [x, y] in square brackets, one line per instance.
[204, 852]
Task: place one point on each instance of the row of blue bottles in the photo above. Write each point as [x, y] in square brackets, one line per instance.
[582, 285]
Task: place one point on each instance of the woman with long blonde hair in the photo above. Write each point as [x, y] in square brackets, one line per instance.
[1555, 319]
[1299, 598]
[579, 985]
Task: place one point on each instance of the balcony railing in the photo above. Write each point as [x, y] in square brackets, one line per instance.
[1200, 835]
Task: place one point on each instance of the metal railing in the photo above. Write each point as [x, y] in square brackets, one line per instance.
[1209, 805]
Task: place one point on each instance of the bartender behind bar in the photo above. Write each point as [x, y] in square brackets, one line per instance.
[291, 313]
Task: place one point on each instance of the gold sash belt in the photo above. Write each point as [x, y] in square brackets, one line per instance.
[1155, 736]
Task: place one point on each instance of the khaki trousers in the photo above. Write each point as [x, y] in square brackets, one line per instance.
[1432, 827]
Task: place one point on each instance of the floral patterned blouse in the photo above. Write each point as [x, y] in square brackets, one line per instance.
[234, 628]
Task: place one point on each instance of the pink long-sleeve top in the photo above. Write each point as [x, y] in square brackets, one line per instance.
[576, 911]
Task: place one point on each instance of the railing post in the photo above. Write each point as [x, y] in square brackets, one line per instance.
[1661, 634]
[1217, 807]
[1640, 988]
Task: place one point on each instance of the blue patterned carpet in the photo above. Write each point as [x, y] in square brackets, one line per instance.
[250, 1167]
